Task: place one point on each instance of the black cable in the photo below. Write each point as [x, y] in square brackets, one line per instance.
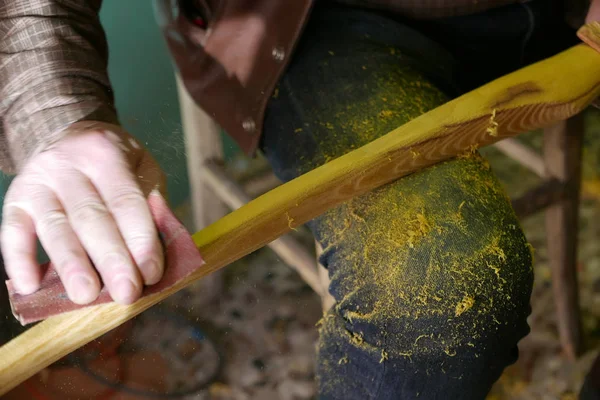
[199, 334]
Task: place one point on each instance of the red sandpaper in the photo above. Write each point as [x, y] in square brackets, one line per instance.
[181, 259]
[590, 34]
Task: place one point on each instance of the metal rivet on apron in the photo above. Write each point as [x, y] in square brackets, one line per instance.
[249, 125]
[278, 54]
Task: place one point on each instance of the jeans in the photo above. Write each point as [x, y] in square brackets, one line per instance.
[431, 274]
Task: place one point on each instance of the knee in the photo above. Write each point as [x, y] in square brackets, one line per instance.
[432, 304]
[431, 271]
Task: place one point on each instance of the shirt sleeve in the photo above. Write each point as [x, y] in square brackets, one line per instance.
[53, 73]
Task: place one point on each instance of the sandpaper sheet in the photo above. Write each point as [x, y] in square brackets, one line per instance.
[590, 34]
[181, 259]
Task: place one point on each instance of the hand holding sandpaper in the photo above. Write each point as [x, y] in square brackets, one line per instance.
[85, 198]
[181, 257]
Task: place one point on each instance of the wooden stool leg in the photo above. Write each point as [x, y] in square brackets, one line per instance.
[202, 143]
[562, 155]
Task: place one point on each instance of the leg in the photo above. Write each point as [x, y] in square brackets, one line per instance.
[202, 142]
[562, 152]
[431, 274]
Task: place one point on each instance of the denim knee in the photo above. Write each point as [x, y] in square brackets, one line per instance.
[432, 276]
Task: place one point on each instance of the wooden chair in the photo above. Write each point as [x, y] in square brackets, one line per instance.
[213, 191]
[558, 195]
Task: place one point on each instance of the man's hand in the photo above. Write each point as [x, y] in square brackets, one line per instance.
[85, 198]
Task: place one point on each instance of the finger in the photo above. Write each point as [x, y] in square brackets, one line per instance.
[18, 241]
[100, 236]
[64, 248]
[61, 245]
[128, 205]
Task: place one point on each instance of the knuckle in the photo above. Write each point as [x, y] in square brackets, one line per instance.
[142, 243]
[42, 173]
[95, 135]
[102, 145]
[51, 222]
[68, 263]
[114, 261]
[14, 192]
[14, 230]
[128, 197]
[88, 151]
[84, 139]
[25, 189]
[49, 162]
[11, 214]
[88, 210]
[11, 230]
[14, 245]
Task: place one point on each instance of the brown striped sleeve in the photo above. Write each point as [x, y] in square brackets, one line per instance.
[53, 72]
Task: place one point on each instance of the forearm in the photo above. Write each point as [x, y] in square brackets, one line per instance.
[53, 72]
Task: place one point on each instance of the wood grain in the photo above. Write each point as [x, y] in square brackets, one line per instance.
[590, 34]
[558, 88]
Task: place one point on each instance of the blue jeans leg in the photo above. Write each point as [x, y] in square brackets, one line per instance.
[431, 274]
